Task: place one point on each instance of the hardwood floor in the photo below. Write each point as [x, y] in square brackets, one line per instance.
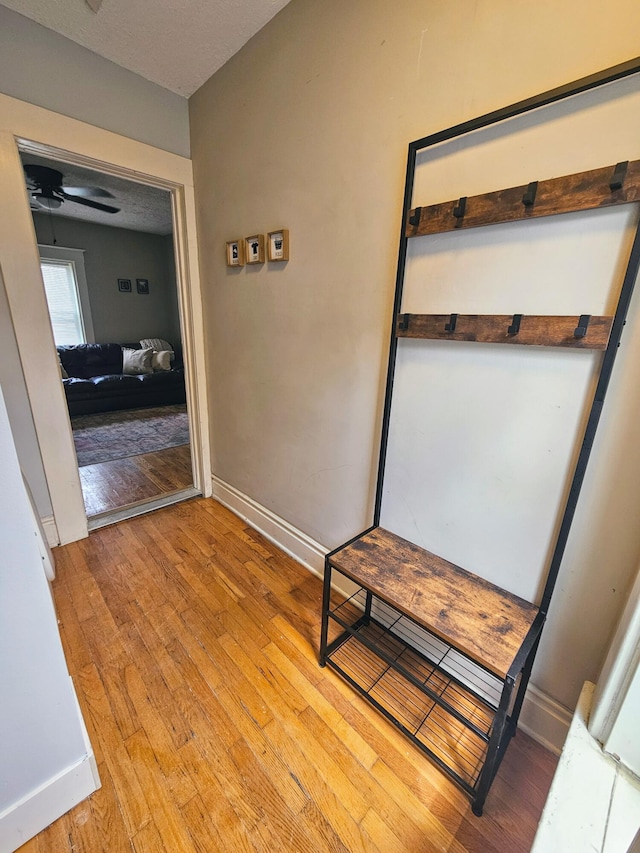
[192, 642]
[111, 485]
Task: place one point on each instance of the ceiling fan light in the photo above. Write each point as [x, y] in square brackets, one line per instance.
[48, 202]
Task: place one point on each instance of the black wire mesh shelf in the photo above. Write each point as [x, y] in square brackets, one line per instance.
[442, 700]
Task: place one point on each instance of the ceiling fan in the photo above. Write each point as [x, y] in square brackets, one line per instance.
[47, 193]
[94, 5]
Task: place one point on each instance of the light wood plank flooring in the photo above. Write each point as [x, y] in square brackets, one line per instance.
[108, 486]
[192, 642]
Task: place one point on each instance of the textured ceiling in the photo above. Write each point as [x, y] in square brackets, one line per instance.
[142, 208]
[177, 44]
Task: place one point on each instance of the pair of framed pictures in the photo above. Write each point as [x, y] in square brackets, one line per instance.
[142, 285]
[251, 250]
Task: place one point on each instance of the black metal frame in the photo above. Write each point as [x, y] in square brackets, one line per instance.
[577, 87]
[504, 725]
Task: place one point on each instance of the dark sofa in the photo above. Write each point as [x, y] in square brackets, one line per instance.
[96, 382]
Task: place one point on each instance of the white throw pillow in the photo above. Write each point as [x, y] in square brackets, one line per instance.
[157, 345]
[161, 360]
[136, 361]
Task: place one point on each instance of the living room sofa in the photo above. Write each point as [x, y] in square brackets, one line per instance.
[96, 382]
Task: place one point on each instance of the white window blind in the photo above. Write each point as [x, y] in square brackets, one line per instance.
[64, 306]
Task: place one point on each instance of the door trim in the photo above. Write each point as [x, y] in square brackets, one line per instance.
[50, 134]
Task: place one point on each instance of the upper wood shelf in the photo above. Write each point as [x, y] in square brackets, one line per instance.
[532, 330]
[481, 620]
[610, 185]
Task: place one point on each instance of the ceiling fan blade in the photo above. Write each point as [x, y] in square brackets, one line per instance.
[94, 5]
[43, 174]
[88, 192]
[88, 203]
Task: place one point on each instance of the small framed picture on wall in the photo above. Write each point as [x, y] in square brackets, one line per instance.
[124, 285]
[254, 249]
[142, 285]
[235, 253]
[278, 245]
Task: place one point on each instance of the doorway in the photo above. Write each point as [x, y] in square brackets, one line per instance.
[106, 246]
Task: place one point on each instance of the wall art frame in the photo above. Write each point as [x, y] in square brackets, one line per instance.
[278, 245]
[254, 249]
[235, 253]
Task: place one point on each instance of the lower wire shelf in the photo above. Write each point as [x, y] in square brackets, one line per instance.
[439, 698]
[454, 745]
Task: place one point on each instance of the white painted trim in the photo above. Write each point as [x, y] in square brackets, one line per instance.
[292, 541]
[30, 316]
[42, 806]
[104, 519]
[612, 699]
[45, 804]
[50, 530]
[544, 719]
[594, 801]
[68, 140]
[192, 331]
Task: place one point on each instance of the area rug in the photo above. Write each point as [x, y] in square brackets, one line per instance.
[116, 435]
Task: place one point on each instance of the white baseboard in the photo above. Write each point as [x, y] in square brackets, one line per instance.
[546, 720]
[292, 541]
[50, 531]
[542, 717]
[42, 806]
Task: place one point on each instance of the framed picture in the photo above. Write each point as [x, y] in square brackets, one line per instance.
[235, 253]
[143, 285]
[278, 245]
[254, 249]
[124, 285]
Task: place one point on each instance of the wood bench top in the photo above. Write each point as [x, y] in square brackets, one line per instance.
[475, 616]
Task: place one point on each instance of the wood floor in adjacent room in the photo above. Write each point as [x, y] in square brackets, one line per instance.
[108, 486]
[192, 643]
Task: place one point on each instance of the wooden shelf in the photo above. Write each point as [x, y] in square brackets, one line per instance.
[486, 623]
[567, 194]
[535, 330]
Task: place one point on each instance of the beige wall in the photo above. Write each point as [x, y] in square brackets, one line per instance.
[307, 128]
[113, 253]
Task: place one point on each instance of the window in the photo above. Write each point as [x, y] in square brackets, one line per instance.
[64, 306]
[67, 296]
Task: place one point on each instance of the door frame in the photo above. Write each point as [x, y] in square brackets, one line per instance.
[41, 131]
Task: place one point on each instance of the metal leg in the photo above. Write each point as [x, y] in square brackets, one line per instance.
[490, 764]
[326, 602]
[367, 608]
[524, 681]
